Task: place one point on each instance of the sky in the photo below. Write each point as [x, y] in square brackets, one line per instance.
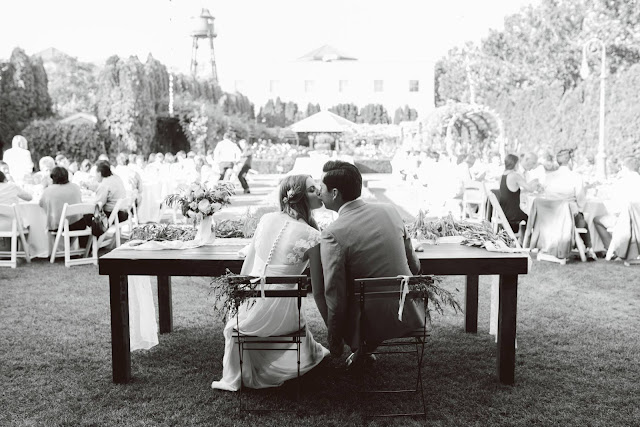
[249, 30]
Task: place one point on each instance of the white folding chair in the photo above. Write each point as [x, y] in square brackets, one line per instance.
[112, 235]
[16, 233]
[125, 228]
[66, 235]
[473, 196]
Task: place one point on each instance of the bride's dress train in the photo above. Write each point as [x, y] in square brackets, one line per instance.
[277, 249]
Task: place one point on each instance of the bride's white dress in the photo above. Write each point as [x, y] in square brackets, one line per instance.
[278, 248]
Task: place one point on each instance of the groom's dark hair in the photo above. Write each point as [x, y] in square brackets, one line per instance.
[343, 176]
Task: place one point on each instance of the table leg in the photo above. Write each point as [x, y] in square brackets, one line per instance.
[120, 345]
[471, 304]
[165, 309]
[507, 309]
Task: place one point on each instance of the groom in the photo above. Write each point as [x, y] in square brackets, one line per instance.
[366, 240]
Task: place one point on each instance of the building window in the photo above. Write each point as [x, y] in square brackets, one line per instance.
[274, 86]
[343, 85]
[309, 85]
[414, 86]
[378, 85]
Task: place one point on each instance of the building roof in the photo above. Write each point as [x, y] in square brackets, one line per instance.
[79, 118]
[327, 53]
[51, 53]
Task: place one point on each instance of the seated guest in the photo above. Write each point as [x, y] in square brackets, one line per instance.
[56, 195]
[548, 162]
[83, 178]
[511, 183]
[625, 190]
[532, 169]
[110, 190]
[46, 165]
[4, 168]
[10, 193]
[565, 184]
[130, 178]
[18, 157]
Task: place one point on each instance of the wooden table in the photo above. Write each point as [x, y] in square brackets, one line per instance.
[446, 259]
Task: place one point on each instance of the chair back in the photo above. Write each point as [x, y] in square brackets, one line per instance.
[551, 227]
[11, 212]
[16, 233]
[78, 209]
[625, 238]
[374, 294]
[498, 218]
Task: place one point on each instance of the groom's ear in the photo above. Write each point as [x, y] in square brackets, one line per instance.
[335, 193]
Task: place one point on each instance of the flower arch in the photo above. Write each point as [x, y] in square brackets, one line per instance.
[464, 128]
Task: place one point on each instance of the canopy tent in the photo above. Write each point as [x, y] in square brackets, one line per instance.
[323, 122]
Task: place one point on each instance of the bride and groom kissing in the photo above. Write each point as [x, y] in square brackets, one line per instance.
[366, 240]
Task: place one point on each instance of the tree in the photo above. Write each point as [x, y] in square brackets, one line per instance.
[23, 94]
[125, 107]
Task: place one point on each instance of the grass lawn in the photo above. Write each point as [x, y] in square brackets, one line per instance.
[577, 363]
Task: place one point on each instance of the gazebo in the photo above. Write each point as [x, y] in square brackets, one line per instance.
[323, 122]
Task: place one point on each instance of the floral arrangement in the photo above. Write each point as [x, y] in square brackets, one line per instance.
[229, 292]
[197, 202]
[475, 234]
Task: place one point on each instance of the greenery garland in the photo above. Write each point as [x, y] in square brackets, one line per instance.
[229, 293]
[474, 233]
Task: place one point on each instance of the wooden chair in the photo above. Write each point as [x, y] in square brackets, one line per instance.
[17, 233]
[66, 235]
[388, 288]
[282, 342]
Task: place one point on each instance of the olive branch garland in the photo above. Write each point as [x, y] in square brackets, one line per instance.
[229, 292]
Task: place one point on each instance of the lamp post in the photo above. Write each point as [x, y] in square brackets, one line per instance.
[601, 156]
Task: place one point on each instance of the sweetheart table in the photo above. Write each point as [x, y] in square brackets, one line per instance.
[444, 259]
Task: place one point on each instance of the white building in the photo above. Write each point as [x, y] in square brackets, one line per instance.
[328, 77]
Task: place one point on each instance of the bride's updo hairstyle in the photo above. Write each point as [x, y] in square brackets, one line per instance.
[293, 199]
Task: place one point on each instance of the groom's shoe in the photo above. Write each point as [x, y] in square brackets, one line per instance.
[354, 360]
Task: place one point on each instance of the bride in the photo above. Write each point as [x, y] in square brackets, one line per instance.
[284, 243]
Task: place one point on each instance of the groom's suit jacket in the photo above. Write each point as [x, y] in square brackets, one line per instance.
[367, 240]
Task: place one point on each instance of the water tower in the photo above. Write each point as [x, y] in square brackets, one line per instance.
[203, 29]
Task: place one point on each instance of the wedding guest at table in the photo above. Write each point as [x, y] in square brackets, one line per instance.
[18, 157]
[43, 177]
[63, 161]
[532, 169]
[565, 184]
[83, 178]
[4, 168]
[511, 183]
[130, 178]
[10, 193]
[110, 190]
[626, 189]
[54, 197]
[548, 162]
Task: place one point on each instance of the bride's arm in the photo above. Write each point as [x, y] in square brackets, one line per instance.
[317, 280]
[247, 265]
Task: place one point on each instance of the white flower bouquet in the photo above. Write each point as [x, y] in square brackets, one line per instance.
[198, 202]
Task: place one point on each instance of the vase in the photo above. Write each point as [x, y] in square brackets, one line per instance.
[206, 233]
